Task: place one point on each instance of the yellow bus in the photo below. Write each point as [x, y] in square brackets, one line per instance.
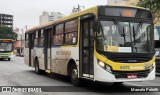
[102, 43]
[6, 49]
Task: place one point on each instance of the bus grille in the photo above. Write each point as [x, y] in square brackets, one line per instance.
[130, 60]
[124, 75]
[4, 54]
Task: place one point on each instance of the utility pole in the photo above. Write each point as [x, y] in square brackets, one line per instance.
[77, 9]
[26, 27]
[21, 47]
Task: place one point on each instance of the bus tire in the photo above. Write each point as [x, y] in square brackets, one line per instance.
[37, 70]
[9, 59]
[74, 75]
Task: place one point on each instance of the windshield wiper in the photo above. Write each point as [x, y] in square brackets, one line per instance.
[138, 27]
[120, 29]
[134, 35]
[135, 32]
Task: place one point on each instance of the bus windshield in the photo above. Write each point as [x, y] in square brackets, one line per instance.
[125, 36]
[5, 46]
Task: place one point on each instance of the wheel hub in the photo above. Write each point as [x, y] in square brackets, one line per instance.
[74, 74]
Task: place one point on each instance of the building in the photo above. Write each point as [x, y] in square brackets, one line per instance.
[117, 2]
[47, 17]
[132, 2]
[6, 20]
[124, 2]
[44, 18]
[19, 43]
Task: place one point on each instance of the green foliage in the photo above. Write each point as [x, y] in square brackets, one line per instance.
[153, 5]
[7, 33]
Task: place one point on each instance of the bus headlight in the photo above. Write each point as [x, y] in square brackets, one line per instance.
[105, 66]
[108, 68]
[101, 64]
[157, 53]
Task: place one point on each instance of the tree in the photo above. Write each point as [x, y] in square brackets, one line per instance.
[154, 6]
[7, 33]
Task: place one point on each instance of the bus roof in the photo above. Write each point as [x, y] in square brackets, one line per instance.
[89, 10]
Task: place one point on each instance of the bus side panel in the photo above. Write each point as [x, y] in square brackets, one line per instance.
[32, 57]
[40, 55]
[26, 56]
[61, 57]
[49, 58]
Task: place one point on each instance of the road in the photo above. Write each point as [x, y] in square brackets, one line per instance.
[16, 73]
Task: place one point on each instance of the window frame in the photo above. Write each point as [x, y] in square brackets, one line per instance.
[74, 31]
[58, 34]
[26, 40]
[40, 36]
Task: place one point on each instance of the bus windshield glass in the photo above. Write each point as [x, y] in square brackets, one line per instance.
[5, 46]
[118, 36]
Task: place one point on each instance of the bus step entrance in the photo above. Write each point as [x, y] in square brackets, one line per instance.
[48, 71]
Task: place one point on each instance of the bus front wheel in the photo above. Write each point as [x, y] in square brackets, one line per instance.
[9, 59]
[74, 75]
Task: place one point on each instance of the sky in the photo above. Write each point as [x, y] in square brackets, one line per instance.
[27, 12]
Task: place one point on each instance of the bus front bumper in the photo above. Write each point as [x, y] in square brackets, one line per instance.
[6, 56]
[104, 76]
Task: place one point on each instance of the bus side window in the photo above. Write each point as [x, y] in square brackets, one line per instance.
[41, 38]
[36, 39]
[58, 35]
[32, 41]
[71, 28]
[41, 42]
[26, 41]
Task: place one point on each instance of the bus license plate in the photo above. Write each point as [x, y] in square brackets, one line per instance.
[131, 76]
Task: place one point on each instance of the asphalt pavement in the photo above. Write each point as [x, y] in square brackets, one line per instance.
[15, 73]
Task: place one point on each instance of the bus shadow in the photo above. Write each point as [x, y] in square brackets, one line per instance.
[54, 76]
[59, 77]
[92, 86]
[3, 59]
[157, 74]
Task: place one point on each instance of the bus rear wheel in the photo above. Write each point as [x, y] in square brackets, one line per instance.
[74, 76]
[9, 59]
[37, 70]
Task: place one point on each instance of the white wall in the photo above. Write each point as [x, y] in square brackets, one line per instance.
[46, 17]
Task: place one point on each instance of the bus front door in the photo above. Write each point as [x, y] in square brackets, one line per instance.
[87, 48]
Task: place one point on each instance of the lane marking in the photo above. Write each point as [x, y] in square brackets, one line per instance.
[133, 84]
